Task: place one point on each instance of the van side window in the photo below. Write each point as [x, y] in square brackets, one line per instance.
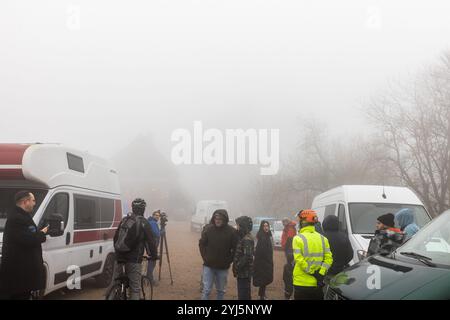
[342, 219]
[330, 210]
[58, 204]
[87, 212]
[106, 212]
[75, 163]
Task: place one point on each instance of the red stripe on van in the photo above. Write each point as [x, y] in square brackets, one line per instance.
[93, 235]
[12, 153]
[11, 174]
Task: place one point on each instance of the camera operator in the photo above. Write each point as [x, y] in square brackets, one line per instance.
[153, 220]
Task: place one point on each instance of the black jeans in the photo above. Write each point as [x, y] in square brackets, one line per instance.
[262, 292]
[308, 293]
[287, 279]
[244, 288]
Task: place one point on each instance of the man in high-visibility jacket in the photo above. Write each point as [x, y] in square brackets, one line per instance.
[312, 257]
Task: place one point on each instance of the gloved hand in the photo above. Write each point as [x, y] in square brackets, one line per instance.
[319, 279]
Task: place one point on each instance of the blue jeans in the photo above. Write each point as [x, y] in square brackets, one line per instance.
[214, 276]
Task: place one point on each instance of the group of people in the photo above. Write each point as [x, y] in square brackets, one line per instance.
[387, 236]
[314, 252]
[222, 246]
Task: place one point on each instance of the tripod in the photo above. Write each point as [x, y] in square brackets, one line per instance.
[163, 244]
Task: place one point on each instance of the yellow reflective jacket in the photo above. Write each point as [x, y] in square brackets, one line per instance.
[311, 253]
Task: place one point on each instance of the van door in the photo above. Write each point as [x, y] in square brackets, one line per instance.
[87, 235]
[56, 250]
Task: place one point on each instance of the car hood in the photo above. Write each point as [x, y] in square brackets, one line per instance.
[397, 280]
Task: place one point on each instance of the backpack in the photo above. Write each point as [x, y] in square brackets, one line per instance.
[127, 234]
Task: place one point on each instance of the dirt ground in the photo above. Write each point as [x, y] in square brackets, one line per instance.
[186, 268]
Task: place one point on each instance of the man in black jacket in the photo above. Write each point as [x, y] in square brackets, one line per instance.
[340, 245]
[217, 246]
[142, 239]
[22, 267]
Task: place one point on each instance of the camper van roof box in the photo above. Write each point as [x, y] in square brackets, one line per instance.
[52, 165]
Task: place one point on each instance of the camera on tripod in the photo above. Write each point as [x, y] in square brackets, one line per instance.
[163, 219]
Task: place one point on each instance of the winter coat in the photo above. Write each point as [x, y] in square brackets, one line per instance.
[340, 245]
[405, 220]
[218, 244]
[263, 264]
[22, 267]
[289, 231]
[243, 258]
[145, 242]
[155, 229]
[385, 241]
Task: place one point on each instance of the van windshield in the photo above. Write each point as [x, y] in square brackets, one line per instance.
[7, 202]
[363, 216]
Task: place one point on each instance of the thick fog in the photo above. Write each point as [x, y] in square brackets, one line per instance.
[101, 75]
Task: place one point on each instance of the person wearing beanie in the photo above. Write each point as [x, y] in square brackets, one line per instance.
[387, 237]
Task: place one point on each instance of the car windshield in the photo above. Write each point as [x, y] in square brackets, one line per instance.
[363, 216]
[7, 202]
[433, 241]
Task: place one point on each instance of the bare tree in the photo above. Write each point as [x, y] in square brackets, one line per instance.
[415, 121]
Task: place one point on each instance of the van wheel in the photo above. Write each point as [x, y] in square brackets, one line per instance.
[105, 279]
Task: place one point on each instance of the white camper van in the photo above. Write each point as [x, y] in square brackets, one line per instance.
[204, 211]
[81, 192]
[357, 208]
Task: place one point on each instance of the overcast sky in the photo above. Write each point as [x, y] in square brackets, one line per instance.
[94, 74]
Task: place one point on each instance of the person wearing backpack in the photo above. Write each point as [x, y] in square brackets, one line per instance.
[133, 236]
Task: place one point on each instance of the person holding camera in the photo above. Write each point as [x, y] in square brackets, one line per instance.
[133, 236]
[22, 267]
[153, 220]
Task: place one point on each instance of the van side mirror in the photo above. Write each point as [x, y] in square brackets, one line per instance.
[56, 225]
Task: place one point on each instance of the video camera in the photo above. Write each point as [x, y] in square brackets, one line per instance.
[163, 219]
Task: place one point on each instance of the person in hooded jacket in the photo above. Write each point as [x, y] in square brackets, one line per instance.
[22, 267]
[340, 245]
[243, 258]
[217, 246]
[405, 220]
[263, 264]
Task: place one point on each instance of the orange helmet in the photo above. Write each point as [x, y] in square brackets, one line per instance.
[308, 215]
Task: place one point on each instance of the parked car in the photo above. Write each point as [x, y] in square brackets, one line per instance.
[203, 213]
[419, 269]
[357, 208]
[78, 194]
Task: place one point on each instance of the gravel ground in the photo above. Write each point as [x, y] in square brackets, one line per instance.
[186, 268]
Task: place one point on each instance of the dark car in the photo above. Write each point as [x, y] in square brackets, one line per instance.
[419, 269]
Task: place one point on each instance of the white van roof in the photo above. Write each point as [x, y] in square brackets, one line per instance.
[367, 194]
[52, 165]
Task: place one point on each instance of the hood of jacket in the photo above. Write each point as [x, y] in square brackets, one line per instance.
[404, 218]
[245, 225]
[330, 223]
[224, 215]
